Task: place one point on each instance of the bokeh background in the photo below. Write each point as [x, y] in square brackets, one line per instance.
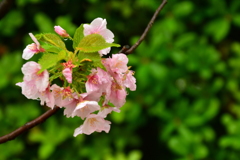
[187, 102]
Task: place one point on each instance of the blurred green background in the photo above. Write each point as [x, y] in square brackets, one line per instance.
[187, 102]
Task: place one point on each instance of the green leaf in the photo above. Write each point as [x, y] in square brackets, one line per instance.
[49, 60]
[236, 19]
[78, 36]
[218, 28]
[52, 39]
[52, 49]
[91, 57]
[94, 43]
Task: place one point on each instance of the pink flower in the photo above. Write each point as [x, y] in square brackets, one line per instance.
[32, 49]
[129, 80]
[106, 110]
[70, 107]
[59, 30]
[33, 82]
[62, 96]
[85, 108]
[99, 81]
[47, 96]
[117, 96]
[93, 123]
[98, 26]
[118, 63]
[67, 71]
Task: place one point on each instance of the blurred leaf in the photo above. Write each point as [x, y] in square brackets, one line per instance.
[236, 19]
[135, 155]
[158, 71]
[11, 22]
[183, 8]
[178, 145]
[218, 29]
[200, 151]
[43, 22]
[46, 150]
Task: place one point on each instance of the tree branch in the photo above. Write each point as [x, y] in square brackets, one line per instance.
[129, 51]
[5, 5]
[28, 125]
[3, 10]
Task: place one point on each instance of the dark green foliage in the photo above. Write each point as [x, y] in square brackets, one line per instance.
[187, 102]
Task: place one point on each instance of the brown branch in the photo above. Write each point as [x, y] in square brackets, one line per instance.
[129, 51]
[5, 6]
[28, 125]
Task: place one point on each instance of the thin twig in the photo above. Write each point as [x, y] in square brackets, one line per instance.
[129, 51]
[28, 125]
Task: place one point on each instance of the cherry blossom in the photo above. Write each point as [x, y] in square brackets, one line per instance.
[105, 110]
[32, 49]
[118, 63]
[33, 82]
[99, 26]
[93, 123]
[85, 108]
[96, 86]
[99, 81]
[59, 30]
[67, 71]
[129, 80]
[63, 96]
[117, 96]
[48, 98]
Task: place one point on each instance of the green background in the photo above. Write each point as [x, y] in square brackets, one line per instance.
[187, 102]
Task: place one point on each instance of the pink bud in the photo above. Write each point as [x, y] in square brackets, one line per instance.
[59, 30]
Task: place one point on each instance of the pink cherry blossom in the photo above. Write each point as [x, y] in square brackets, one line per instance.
[129, 80]
[99, 81]
[118, 63]
[59, 30]
[85, 108]
[93, 123]
[67, 71]
[33, 82]
[48, 98]
[99, 26]
[105, 110]
[32, 49]
[70, 107]
[28, 89]
[117, 96]
[62, 96]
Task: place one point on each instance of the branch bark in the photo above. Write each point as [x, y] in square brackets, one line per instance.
[28, 125]
[49, 113]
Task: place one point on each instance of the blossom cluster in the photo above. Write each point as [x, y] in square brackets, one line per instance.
[82, 82]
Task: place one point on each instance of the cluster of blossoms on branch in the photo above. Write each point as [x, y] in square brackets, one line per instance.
[81, 81]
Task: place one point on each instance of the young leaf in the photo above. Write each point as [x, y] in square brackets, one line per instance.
[94, 43]
[78, 36]
[91, 57]
[49, 60]
[51, 48]
[52, 39]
